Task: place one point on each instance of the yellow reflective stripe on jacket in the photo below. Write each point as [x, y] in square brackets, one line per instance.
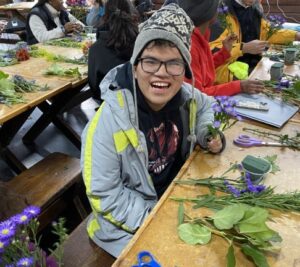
[124, 138]
[120, 98]
[92, 227]
[110, 218]
[87, 168]
[193, 111]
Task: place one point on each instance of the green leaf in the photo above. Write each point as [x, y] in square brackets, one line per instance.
[267, 235]
[255, 215]
[229, 216]
[257, 256]
[245, 228]
[230, 257]
[3, 75]
[272, 159]
[194, 234]
[180, 213]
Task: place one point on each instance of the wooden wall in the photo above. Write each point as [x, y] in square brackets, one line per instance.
[290, 7]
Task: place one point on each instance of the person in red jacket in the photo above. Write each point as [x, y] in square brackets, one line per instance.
[204, 63]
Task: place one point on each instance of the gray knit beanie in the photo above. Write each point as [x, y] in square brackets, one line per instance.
[169, 23]
[199, 11]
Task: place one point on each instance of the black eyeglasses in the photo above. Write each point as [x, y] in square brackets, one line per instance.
[152, 65]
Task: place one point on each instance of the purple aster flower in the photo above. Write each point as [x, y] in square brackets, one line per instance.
[3, 244]
[7, 229]
[216, 107]
[10, 265]
[32, 211]
[217, 124]
[22, 218]
[25, 262]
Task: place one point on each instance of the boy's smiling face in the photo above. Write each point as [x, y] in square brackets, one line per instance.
[160, 87]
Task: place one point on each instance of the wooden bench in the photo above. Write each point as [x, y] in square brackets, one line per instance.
[81, 251]
[49, 184]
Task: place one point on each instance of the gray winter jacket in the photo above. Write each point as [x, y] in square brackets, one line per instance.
[114, 162]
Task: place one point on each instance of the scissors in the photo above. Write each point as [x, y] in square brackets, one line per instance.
[146, 259]
[248, 141]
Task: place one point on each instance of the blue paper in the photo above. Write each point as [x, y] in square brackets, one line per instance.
[278, 114]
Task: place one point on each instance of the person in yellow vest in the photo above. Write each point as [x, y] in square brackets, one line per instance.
[245, 18]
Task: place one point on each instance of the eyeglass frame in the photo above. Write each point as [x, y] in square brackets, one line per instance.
[163, 63]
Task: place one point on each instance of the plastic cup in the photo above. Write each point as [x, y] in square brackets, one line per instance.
[88, 29]
[276, 71]
[290, 55]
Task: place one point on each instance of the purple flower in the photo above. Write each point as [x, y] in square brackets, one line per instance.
[7, 230]
[32, 211]
[3, 244]
[285, 83]
[216, 107]
[233, 190]
[217, 124]
[25, 262]
[21, 218]
[51, 262]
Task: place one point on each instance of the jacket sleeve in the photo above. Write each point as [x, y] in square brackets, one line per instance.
[40, 31]
[92, 17]
[109, 196]
[221, 56]
[204, 117]
[282, 36]
[75, 20]
[228, 89]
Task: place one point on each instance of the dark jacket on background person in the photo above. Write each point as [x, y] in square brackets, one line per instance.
[102, 59]
[45, 16]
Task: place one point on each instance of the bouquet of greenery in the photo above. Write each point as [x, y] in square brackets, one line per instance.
[225, 114]
[223, 12]
[19, 244]
[288, 88]
[60, 71]
[274, 24]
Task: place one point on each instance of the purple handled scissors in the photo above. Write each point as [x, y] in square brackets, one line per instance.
[248, 141]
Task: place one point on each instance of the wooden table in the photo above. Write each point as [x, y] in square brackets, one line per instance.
[158, 234]
[61, 88]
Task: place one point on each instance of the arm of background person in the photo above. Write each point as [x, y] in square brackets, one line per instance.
[40, 31]
[282, 36]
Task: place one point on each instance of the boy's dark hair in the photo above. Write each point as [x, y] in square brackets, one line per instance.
[121, 18]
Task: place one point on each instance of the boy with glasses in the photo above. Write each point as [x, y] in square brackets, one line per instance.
[145, 129]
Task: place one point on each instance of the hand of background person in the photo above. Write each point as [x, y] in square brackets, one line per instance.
[254, 47]
[252, 86]
[215, 145]
[72, 27]
[228, 42]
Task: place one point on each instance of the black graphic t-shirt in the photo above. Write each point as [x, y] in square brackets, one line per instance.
[163, 132]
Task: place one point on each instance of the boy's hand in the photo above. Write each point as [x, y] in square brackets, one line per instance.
[215, 145]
